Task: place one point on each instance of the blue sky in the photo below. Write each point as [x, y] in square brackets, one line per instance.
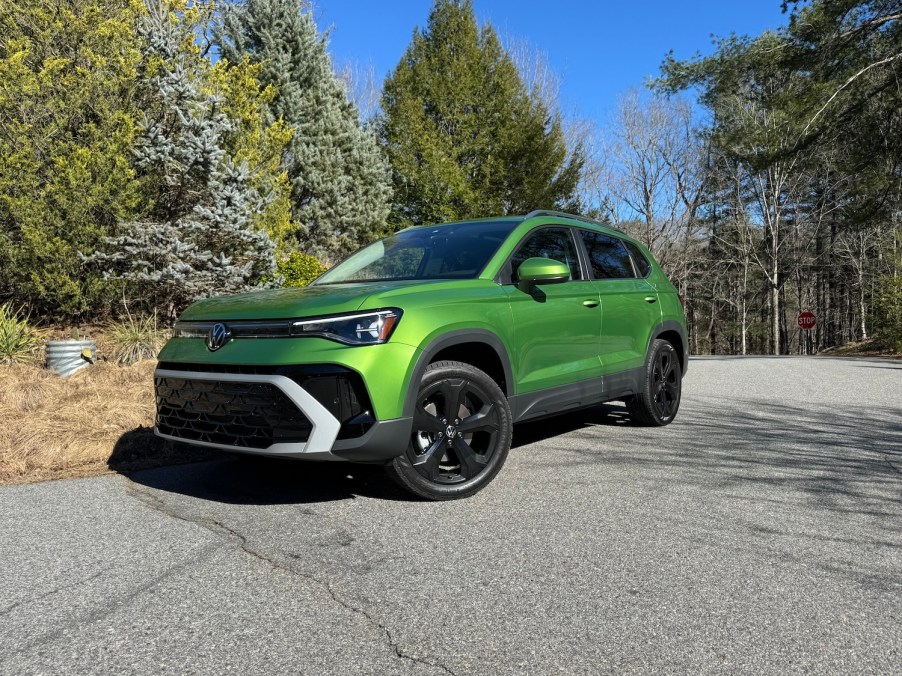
[599, 48]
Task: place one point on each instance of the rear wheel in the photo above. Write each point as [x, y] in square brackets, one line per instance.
[461, 434]
[658, 403]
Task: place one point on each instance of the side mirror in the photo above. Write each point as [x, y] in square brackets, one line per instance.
[542, 271]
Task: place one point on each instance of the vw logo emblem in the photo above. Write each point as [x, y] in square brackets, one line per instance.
[450, 431]
[219, 335]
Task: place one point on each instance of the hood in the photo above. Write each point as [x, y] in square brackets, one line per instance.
[309, 301]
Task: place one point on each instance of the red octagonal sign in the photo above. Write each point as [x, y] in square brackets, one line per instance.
[807, 321]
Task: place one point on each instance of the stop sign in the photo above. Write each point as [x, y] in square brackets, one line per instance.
[807, 321]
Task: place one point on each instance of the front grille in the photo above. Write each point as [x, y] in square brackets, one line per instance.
[245, 415]
[340, 390]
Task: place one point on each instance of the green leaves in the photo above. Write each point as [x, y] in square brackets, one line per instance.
[463, 135]
[67, 122]
[298, 270]
[19, 342]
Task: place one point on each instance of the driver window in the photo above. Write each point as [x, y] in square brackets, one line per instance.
[555, 243]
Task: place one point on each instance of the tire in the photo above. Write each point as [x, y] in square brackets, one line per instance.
[454, 453]
[657, 404]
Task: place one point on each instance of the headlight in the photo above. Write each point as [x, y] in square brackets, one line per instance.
[365, 328]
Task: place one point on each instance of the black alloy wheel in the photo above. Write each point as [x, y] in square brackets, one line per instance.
[461, 433]
[658, 403]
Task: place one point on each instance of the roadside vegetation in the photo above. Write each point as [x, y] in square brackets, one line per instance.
[98, 420]
[20, 343]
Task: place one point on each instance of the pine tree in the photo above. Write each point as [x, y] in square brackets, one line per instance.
[197, 238]
[339, 179]
[464, 136]
[68, 119]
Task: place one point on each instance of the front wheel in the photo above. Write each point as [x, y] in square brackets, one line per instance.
[461, 434]
[658, 402]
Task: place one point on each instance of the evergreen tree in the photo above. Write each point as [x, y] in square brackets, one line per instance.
[255, 140]
[339, 178]
[197, 237]
[68, 119]
[465, 138]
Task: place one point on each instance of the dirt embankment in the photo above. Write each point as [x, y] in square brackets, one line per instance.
[863, 348]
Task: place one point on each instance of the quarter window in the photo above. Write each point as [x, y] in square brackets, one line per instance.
[607, 255]
[642, 264]
[554, 243]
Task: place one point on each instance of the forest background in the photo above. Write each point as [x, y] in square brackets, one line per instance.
[155, 152]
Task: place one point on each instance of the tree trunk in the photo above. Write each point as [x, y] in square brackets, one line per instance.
[775, 317]
[861, 302]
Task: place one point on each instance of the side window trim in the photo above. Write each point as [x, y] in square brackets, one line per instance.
[586, 262]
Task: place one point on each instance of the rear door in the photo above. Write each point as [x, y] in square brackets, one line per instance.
[629, 303]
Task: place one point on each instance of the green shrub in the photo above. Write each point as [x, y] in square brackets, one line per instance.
[299, 269]
[135, 339]
[19, 342]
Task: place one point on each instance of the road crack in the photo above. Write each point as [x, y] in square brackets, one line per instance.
[111, 606]
[156, 503]
[65, 587]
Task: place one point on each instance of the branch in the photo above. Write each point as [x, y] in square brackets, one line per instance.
[846, 84]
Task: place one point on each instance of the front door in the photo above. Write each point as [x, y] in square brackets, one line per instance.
[555, 326]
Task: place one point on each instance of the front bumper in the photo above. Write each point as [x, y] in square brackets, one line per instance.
[265, 414]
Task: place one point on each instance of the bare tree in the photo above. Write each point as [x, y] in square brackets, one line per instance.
[857, 248]
[363, 88]
[656, 169]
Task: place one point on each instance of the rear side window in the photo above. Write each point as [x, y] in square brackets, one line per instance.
[554, 243]
[607, 255]
[642, 264]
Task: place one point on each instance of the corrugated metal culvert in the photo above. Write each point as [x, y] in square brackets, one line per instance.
[68, 356]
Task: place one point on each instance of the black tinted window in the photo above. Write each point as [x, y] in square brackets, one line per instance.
[607, 255]
[554, 243]
[452, 251]
[642, 264]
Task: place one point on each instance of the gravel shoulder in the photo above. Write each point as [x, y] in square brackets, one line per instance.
[761, 532]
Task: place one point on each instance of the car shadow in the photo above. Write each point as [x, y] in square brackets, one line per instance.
[270, 481]
[553, 426]
[254, 480]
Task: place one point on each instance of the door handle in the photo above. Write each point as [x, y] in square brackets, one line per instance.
[651, 299]
[590, 303]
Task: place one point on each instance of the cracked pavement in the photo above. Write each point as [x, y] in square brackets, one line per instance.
[761, 532]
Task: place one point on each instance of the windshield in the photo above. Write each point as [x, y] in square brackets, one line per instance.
[453, 251]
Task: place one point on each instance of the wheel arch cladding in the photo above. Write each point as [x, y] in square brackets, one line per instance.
[670, 331]
[479, 348]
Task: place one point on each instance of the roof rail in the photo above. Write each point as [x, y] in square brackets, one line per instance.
[561, 214]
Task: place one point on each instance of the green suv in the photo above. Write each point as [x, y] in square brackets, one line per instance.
[421, 351]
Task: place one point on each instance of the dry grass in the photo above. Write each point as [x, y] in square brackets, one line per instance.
[97, 421]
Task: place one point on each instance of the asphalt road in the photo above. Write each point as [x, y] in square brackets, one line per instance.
[760, 533]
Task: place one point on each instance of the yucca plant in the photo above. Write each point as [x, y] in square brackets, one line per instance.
[135, 338]
[19, 342]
